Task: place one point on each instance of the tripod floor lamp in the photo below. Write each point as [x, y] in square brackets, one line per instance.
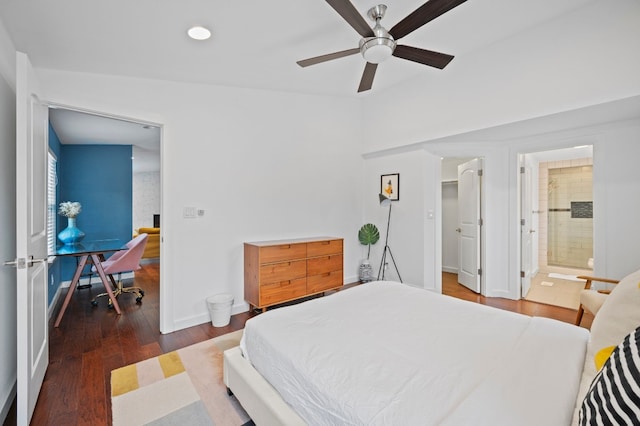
[384, 201]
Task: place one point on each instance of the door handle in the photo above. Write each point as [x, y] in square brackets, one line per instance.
[458, 230]
[531, 231]
[17, 263]
[22, 263]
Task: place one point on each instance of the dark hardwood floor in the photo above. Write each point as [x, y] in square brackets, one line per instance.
[92, 341]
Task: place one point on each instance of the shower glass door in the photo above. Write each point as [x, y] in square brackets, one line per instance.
[570, 216]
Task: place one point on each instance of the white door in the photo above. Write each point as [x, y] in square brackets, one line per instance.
[526, 225]
[31, 239]
[469, 223]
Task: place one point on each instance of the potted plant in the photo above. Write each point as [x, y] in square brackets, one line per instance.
[368, 235]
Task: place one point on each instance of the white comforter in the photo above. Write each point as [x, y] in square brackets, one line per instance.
[389, 354]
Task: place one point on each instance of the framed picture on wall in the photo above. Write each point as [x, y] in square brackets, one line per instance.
[390, 186]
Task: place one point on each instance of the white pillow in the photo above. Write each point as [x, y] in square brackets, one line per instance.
[618, 317]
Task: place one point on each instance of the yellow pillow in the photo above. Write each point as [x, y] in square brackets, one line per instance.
[602, 356]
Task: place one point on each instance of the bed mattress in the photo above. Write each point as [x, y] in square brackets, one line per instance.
[387, 353]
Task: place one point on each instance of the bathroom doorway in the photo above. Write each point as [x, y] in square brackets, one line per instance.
[556, 220]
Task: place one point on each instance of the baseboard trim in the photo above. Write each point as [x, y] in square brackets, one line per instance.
[8, 401]
[96, 280]
[450, 269]
[205, 317]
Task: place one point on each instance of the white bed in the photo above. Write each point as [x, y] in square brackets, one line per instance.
[387, 353]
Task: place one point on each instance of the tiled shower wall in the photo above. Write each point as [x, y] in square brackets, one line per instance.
[563, 240]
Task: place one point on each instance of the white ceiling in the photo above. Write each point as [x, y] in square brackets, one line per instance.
[253, 45]
[75, 127]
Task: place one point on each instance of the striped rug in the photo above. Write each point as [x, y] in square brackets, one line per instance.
[183, 387]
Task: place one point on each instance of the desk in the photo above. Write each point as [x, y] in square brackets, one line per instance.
[85, 250]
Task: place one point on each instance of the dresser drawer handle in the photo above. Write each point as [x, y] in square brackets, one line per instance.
[285, 283]
[287, 247]
[281, 266]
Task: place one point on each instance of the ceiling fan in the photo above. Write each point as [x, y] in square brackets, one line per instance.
[378, 44]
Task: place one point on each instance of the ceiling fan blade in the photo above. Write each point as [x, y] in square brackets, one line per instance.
[422, 56]
[367, 77]
[425, 13]
[350, 14]
[327, 57]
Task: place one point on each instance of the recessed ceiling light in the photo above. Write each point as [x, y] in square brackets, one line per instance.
[199, 33]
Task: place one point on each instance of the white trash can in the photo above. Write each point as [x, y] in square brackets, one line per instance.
[220, 309]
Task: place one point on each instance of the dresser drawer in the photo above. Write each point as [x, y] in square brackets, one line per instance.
[324, 264]
[322, 248]
[282, 291]
[283, 271]
[322, 282]
[283, 252]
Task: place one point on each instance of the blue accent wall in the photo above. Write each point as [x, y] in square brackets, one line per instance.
[100, 178]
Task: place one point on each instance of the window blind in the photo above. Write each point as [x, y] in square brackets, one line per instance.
[52, 180]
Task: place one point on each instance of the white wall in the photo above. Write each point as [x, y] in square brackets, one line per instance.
[549, 79]
[8, 226]
[413, 235]
[615, 146]
[616, 185]
[262, 165]
[584, 58]
[146, 198]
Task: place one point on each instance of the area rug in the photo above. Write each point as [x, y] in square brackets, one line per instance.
[183, 387]
[554, 291]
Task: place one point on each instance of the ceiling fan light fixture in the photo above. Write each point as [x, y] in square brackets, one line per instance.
[377, 49]
[380, 47]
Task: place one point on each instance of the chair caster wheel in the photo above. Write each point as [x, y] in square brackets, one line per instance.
[110, 305]
[94, 303]
[141, 294]
[139, 300]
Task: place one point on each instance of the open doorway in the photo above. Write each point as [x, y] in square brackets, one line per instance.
[112, 167]
[461, 220]
[556, 195]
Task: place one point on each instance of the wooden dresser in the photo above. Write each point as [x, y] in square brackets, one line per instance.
[284, 270]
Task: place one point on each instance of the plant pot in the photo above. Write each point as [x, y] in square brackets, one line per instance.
[365, 271]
